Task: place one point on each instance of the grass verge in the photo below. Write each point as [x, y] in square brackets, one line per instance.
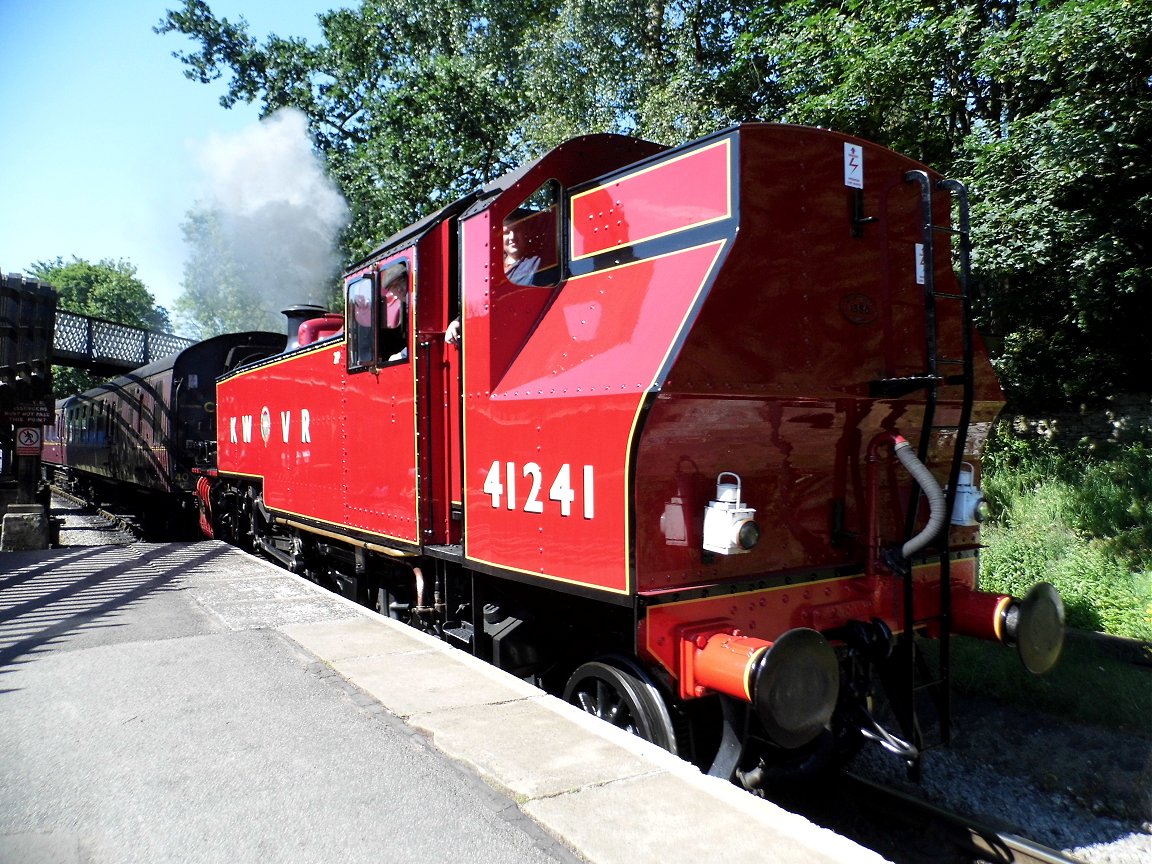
[1080, 519]
[1089, 683]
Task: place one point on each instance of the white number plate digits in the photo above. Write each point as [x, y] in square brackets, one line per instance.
[501, 483]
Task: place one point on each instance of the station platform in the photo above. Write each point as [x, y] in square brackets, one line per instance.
[187, 702]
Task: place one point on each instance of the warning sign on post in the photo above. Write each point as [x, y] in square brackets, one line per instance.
[27, 441]
[853, 166]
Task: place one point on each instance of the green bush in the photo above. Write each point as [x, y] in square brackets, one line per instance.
[1080, 519]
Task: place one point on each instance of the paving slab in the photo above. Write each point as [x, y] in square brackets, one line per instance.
[359, 637]
[529, 749]
[136, 726]
[673, 818]
[430, 680]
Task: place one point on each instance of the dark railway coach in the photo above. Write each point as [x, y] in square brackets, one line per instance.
[689, 436]
[135, 440]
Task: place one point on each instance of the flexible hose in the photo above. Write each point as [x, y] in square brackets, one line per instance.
[932, 490]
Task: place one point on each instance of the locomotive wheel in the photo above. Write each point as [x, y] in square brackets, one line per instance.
[617, 690]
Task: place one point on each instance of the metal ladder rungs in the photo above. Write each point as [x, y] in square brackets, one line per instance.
[935, 677]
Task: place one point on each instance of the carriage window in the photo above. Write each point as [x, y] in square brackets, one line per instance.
[157, 412]
[377, 324]
[531, 238]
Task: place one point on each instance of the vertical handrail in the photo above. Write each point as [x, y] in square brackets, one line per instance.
[931, 350]
[959, 192]
[956, 190]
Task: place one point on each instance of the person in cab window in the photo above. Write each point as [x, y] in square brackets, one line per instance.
[395, 294]
[518, 266]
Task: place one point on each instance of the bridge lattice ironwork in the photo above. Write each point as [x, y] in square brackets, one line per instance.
[94, 343]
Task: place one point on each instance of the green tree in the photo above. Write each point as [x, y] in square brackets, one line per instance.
[1046, 109]
[416, 102]
[660, 69]
[1064, 191]
[1043, 105]
[897, 72]
[411, 102]
[109, 290]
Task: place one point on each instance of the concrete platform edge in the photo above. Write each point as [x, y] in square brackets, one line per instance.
[599, 790]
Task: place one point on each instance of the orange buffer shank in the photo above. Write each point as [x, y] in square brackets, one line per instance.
[793, 682]
[1034, 625]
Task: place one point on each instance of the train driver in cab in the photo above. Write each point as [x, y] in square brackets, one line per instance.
[395, 296]
[389, 341]
[520, 264]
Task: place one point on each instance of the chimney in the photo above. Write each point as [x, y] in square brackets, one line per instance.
[296, 316]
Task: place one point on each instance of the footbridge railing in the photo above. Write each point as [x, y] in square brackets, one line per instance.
[103, 346]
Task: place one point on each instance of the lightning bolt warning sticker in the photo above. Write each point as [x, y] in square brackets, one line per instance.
[853, 166]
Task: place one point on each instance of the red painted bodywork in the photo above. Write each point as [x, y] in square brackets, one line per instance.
[723, 308]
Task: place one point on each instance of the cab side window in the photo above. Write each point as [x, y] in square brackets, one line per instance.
[531, 238]
[360, 325]
[377, 317]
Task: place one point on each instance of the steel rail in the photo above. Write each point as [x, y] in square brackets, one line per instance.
[986, 844]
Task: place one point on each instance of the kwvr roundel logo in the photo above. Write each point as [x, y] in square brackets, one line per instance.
[265, 423]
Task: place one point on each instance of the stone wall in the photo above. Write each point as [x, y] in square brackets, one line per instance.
[1124, 420]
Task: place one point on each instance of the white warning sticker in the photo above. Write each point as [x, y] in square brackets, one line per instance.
[853, 166]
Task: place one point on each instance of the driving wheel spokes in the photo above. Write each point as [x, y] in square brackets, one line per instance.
[619, 691]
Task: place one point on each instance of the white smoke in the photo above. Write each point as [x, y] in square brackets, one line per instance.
[279, 211]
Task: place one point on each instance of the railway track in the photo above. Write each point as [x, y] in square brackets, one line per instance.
[939, 836]
[122, 521]
[907, 830]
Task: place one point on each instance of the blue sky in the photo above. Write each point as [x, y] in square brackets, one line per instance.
[100, 131]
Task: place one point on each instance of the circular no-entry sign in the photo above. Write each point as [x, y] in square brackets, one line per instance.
[27, 441]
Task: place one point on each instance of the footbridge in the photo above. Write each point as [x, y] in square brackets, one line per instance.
[106, 348]
[35, 334]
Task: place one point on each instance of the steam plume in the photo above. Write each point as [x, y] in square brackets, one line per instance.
[279, 213]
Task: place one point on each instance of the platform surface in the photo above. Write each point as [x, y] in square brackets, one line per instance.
[187, 702]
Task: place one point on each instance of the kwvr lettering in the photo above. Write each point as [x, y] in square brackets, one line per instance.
[245, 431]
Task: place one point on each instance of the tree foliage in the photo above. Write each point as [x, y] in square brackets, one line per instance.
[659, 69]
[411, 102]
[109, 290]
[1042, 105]
[1065, 201]
[1045, 109]
[416, 102]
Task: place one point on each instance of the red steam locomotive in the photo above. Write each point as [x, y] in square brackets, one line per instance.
[690, 436]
